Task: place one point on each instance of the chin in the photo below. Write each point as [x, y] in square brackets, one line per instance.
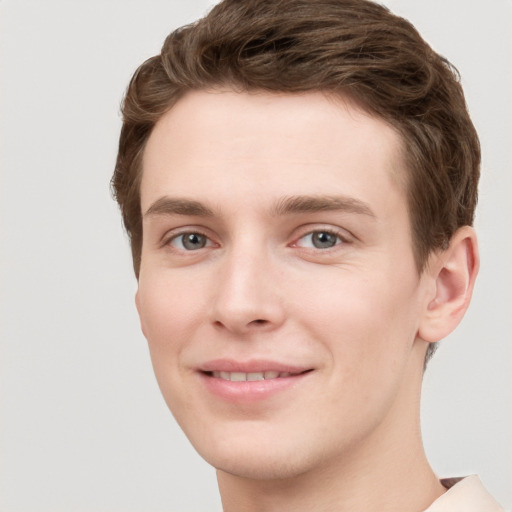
[259, 455]
[259, 466]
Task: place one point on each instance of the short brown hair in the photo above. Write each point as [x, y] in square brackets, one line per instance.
[354, 48]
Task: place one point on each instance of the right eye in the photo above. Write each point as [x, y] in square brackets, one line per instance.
[190, 241]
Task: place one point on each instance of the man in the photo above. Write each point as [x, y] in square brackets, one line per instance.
[298, 179]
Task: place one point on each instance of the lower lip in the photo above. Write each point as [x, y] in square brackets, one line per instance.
[250, 391]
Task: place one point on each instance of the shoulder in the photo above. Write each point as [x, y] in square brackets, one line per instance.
[467, 494]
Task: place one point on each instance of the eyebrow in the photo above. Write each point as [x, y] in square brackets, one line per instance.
[176, 206]
[312, 204]
[284, 206]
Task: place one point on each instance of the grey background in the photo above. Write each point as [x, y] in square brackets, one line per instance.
[83, 426]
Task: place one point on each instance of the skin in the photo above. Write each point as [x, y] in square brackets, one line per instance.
[256, 285]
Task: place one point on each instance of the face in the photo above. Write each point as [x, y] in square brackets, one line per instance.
[278, 290]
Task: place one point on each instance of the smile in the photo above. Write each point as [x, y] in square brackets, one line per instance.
[252, 376]
[249, 382]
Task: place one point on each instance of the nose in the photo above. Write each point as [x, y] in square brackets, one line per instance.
[247, 295]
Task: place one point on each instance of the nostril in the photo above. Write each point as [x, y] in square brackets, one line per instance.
[259, 321]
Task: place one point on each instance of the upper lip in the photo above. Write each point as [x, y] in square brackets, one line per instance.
[252, 366]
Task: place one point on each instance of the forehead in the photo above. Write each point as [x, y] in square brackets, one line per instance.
[243, 142]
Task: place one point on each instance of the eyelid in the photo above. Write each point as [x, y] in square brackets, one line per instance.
[345, 236]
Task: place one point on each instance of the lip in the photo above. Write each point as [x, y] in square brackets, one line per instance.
[250, 391]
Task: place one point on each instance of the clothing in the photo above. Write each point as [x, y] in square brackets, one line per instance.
[465, 495]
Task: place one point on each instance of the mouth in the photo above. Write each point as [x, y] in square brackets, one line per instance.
[253, 376]
[252, 381]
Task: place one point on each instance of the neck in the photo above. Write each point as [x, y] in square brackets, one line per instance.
[388, 471]
[405, 483]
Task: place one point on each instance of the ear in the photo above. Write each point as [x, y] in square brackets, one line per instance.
[452, 274]
[139, 311]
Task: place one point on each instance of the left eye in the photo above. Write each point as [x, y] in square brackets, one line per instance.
[190, 241]
[320, 240]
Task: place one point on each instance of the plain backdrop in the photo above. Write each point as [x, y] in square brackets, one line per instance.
[83, 425]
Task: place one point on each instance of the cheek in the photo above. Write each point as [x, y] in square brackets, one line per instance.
[368, 335]
[169, 309]
[167, 304]
[366, 320]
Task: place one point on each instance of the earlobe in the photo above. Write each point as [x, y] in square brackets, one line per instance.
[453, 273]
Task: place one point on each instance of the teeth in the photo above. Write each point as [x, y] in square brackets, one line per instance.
[255, 376]
[241, 376]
